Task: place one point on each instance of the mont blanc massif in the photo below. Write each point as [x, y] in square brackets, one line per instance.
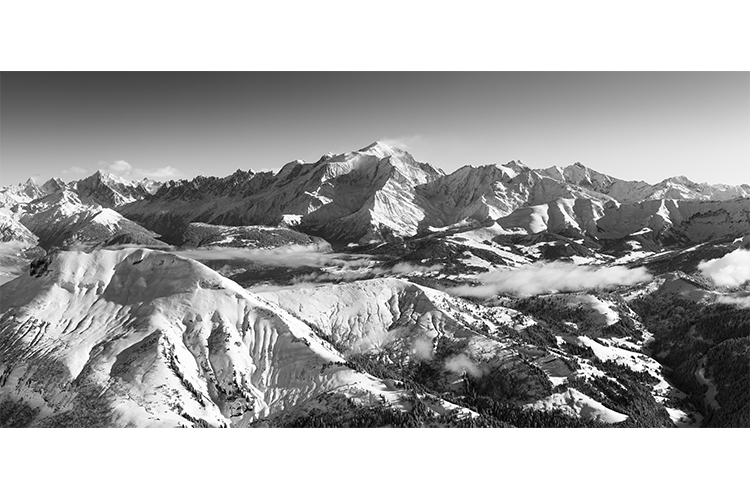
[368, 289]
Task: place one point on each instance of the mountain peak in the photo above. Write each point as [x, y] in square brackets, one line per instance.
[680, 179]
[106, 176]
[516, 164]
[53, 185]
[380, 149]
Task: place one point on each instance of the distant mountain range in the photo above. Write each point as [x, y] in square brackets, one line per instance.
[380, 193]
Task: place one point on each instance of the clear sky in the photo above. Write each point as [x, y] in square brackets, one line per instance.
[637, 126]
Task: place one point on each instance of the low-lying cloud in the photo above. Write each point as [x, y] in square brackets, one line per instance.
[461, 363]
[550, 278]
[741, 302]
[286, 256]
[406, 268]
[361, 269]
[731, 270]
[422, 348]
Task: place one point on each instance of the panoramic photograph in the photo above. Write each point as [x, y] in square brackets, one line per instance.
[375, 249]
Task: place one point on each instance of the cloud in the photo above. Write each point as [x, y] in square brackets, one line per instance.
[119, 166]
[422, 347]
[335, 276]
[75, 170]
[159, 173]
[402, 142]
[359, 269]
[333, 267]
[731, 270]
[287, 256]
[553, 277]
[462, 364]
[406, 268]
[741, 302]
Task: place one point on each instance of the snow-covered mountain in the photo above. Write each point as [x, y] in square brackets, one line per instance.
[61, 214]
[62, 220]
[363, 195]
[380, 192]
[145, 338]
[680, 188]
[111, 191]
[14, 195]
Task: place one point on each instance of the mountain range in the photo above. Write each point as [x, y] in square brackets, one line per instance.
[371, 289]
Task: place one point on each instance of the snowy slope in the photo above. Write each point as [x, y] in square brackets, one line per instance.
[18, 246]
[579, 215]
[373, 314]
[12, 230]
[577, 404]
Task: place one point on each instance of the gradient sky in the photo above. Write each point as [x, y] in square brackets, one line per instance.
[636, 126]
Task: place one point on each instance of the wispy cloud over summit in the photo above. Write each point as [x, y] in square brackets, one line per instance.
[159, 173]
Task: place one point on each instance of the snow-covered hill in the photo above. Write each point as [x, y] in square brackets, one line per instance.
[146, 338]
